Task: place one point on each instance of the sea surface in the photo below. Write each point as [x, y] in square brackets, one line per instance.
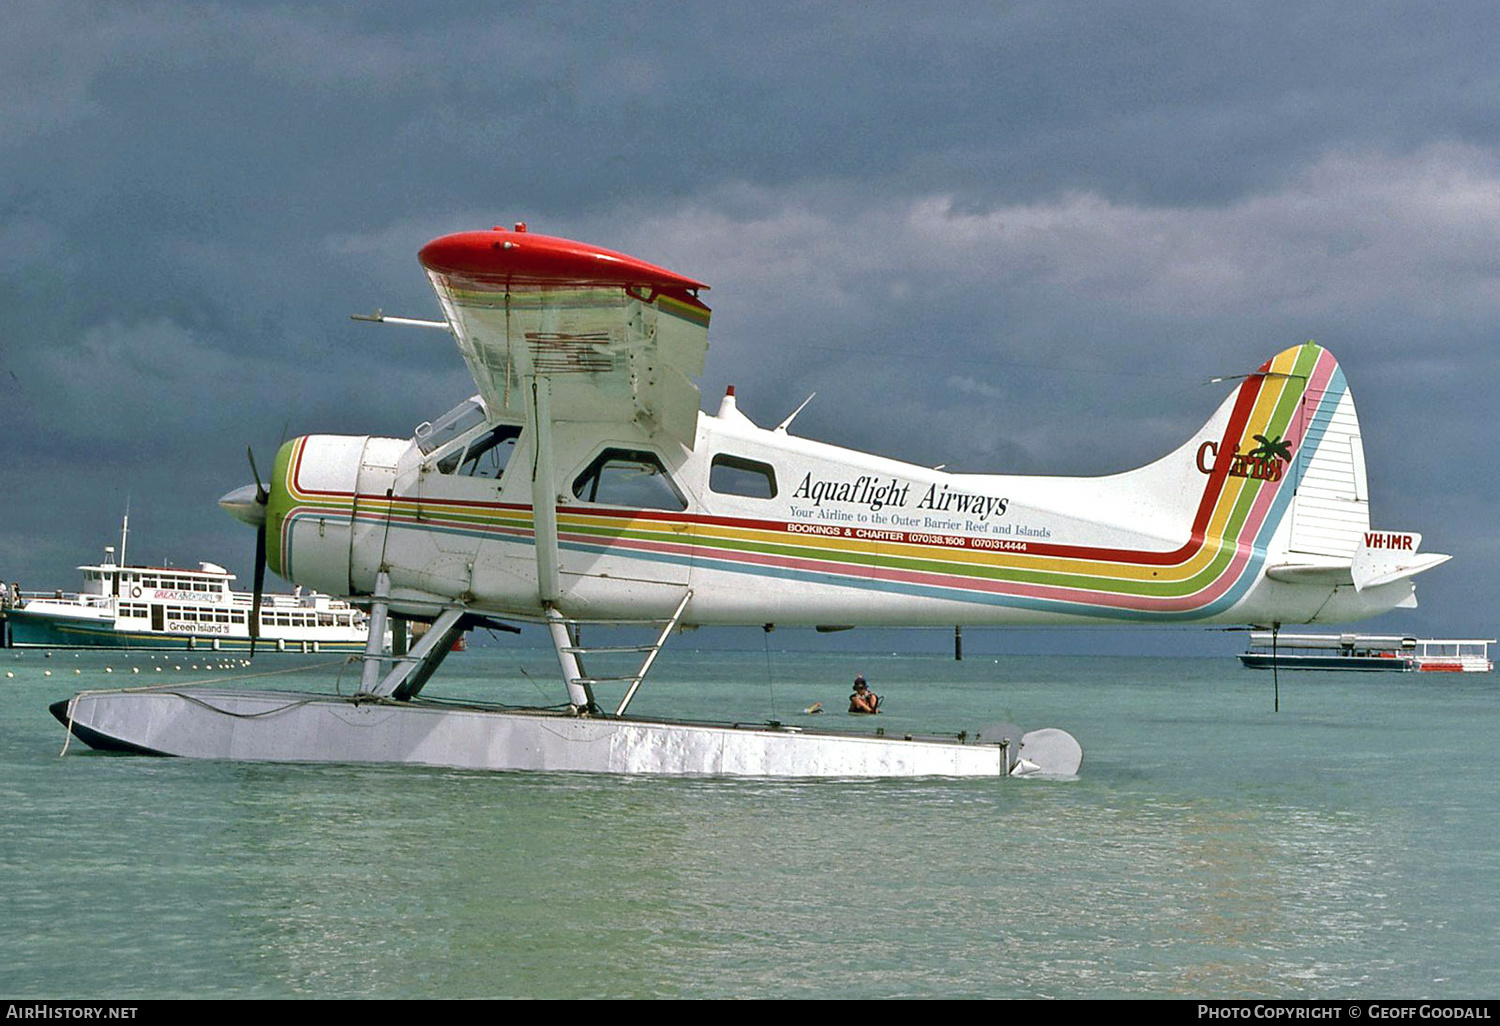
[1341, 847]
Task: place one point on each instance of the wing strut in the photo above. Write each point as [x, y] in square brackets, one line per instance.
[544, 495]
[544, 537]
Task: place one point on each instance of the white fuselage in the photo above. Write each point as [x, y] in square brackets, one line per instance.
[765, 527]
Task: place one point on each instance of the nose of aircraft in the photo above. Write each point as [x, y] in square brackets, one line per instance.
[245, 505]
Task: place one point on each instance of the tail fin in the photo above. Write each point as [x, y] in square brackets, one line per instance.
[1261, 517]
[1279, 466]
[1292, 433]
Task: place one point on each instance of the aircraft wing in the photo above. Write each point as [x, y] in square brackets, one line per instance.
[617, 339]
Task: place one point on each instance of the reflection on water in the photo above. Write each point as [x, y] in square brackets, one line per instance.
[1340, 848]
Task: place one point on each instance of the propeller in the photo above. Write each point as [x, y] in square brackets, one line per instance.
[248, 505]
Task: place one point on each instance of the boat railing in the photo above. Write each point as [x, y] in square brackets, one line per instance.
[311, 600]
[1456, 653]
[1332, 642]
[70, 597]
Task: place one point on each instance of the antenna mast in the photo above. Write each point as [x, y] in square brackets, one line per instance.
[124, 531]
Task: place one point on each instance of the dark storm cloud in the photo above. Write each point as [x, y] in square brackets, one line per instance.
[1013, 237]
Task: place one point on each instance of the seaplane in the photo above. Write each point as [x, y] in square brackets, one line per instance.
[584, 485]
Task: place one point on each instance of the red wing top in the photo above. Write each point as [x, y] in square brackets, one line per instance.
[523, 258]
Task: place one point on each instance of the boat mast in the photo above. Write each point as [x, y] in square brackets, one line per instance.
[120, 565]
[124, 532]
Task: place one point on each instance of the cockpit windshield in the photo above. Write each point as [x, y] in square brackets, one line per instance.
[466, 415]
[486, 455]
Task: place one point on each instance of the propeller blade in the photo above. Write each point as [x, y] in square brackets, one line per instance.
[261, 495]
[260, 585]
[250, 505]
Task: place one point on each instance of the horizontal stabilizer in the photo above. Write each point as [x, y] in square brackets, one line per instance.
[1311, 573]
[1387, 556]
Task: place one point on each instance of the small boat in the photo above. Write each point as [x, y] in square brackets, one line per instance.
[1366, 652]
[149, 607]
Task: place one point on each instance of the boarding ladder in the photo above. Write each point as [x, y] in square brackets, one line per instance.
[570, 652]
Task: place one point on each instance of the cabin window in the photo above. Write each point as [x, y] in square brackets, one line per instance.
[629, 477]
[485, 456]
[732, 475]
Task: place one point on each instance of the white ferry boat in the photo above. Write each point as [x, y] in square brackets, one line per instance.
[170, 608]
[1366, 652]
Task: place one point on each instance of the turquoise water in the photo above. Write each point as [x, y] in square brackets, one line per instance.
[1343, 847]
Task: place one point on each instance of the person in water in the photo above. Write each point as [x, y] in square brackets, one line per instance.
[863, 700]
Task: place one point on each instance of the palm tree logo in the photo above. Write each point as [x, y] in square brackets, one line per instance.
[1270, 447]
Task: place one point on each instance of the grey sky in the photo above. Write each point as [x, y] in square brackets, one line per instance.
[1002, 236]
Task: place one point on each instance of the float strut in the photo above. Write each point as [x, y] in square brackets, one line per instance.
[375, 646]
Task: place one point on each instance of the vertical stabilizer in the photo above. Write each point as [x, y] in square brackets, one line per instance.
[1293, 435]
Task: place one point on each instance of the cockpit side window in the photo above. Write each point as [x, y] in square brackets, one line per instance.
[629, 477]
[485, 456]
[734, 475]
